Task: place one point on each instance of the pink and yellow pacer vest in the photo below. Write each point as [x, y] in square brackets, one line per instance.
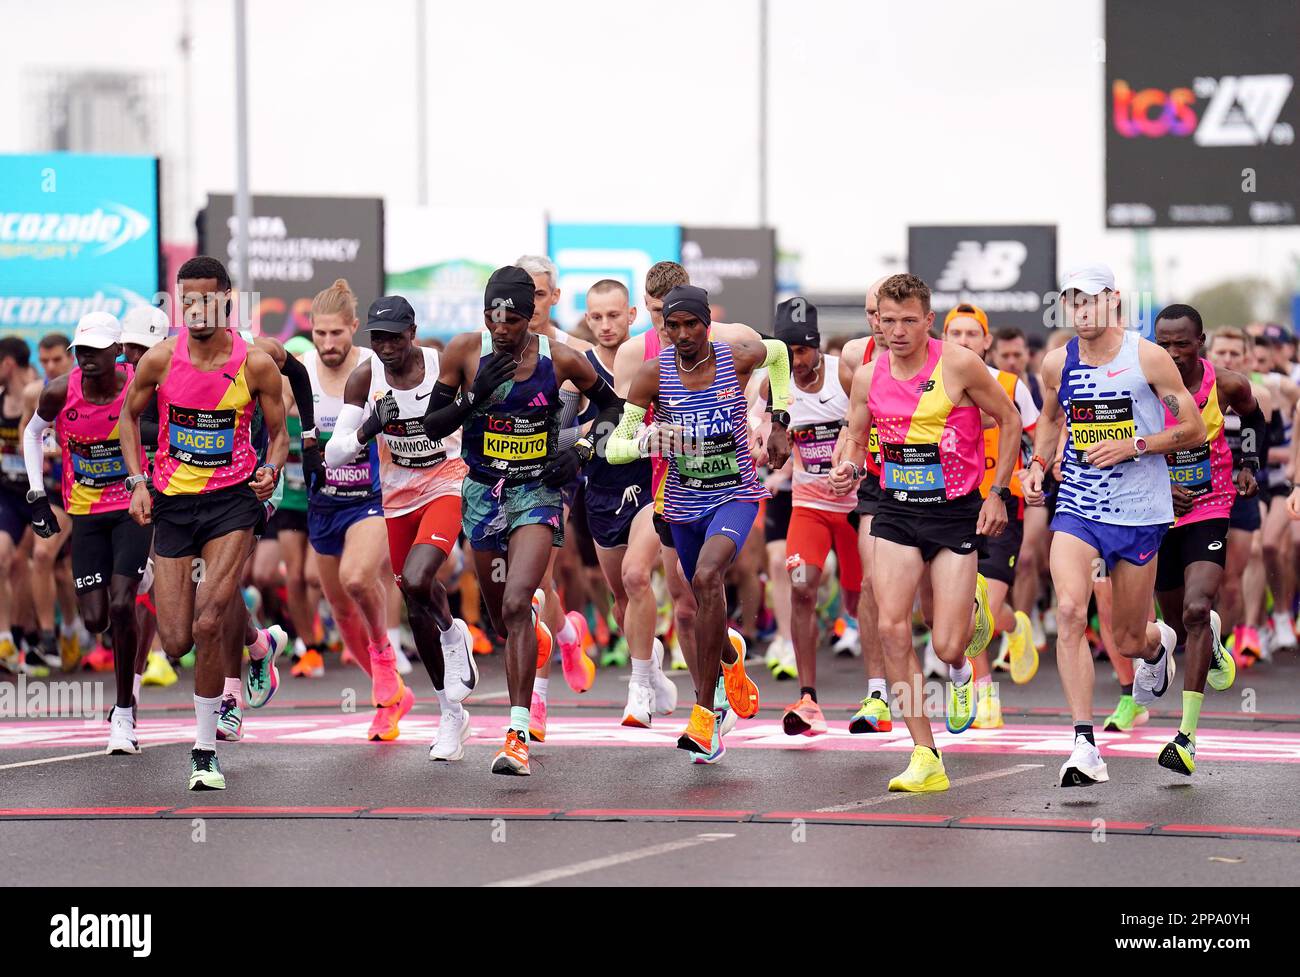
[203, 422]
[930, 449]
[1206, 470]
[94, 472]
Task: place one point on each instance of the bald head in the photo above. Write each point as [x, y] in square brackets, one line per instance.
[872, 305]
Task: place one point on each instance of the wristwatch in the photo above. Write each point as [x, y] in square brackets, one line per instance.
[1004, 493]
[585, 449]
[1140, 445]
[309, 435]
[781, 417]
[133, 480]
[34, 494]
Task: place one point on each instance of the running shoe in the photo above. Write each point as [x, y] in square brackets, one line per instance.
[386, 686]
[872, 717]
[1151, 680]
[676, 660]
[1002, 660]
[722, 709]
[401, 662]
[310, 664]
[121, 735]
[512, 758]
[230, 724]
[10, 660]
[773, 657]
[640, 706]
[988, 708]
[1085, 766]
[717, 749]
[579, 669]
[787, 667]
[460, 670]
[924, 773]
[742, 693]
[99, 660]
[1021, 650]
[158, 671]
[262, 678]
[69, 651]
[1040, 636]
[537, 719]
[961, 706]
[932, 666]
[617, 655]
[187, 659]
[383, 728]
[545, 643]
[803, 718]
[982, 633]
[482, 644]
[1283, 632]
[665, 690]
[1179, 754]
[37, 665]
[1223, 670]
[850, 641]
[1246, 648]
[205, 771]
[697, 737]
[453, 731]
[1126, 715]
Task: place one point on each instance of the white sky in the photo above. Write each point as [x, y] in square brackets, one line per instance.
[881, 114]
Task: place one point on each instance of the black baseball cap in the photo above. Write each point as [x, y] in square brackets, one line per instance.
[796, 323]
[390, 313]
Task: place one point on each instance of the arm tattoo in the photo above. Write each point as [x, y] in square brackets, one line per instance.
[1172, 403]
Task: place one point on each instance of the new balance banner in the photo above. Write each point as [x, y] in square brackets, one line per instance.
[1201, 112]
[440, 258]
[1009, 272]
[78, 233]
[586, 253]
[737, 265]
[298, 246]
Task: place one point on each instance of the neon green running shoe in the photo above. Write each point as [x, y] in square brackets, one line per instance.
[1179, 755]
[1223, 670]
[923, 774]
[872, 717]
[1126, 715]
[205, 771]
[961, 706]
[982, 633]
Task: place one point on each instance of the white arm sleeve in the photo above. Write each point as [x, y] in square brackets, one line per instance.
[33, 452]
[343, 445]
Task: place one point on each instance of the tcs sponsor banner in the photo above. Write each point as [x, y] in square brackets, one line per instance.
[1006, 270]
[298, 246]
[1202, 132]
[440, 258]
[737, 265]
[78, 234]
[586, 253]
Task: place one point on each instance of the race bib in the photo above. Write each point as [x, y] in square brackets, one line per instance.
[815, 444]
[709, 462]
[201, 438]
[913, 472]
[1191, 469]
[517, 446]
[410, 447]
[96, 464]
[1095, 421]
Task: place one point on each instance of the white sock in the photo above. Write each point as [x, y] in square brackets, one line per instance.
[875, 685]
[642, 671]
[568, 634]
[540, 685]
[206, 713]
[395, 637]
[299, 648]
[234, 688]
[67, 629]
[135, 687]
[960, 676]
[448, 707]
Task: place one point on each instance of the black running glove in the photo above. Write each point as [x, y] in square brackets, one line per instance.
[491, 374]
[313, 467]
[385, 412]
[564, 467]
[44, 524]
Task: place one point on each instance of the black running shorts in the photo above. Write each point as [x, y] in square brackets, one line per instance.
[930, 527]
[105, 545]
[1000, 552]
[776, 518]
[1197, 542]
[184, 524]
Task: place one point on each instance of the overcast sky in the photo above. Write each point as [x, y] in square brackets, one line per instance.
[881, 114]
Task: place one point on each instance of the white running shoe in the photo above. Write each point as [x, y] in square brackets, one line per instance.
[460, 670]
[121, 734]
[1085, 766]
[453, 731]
[665, 691]
[1283, 632]
[401, 662]
[729, 719]
[1152, 679]
[640, 706]
[849, 643]
[933, 666]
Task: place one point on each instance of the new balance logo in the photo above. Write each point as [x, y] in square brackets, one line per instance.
[538, 401]
[989, 266]
[1243, 110]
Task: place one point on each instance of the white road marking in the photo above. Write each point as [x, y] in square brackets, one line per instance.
[959, 782]
[608, 861]
[78, 756]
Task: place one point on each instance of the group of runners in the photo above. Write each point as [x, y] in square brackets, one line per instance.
[949, 479]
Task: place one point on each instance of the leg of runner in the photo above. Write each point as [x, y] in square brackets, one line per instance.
[684, 604]
[746, 574]
[779, 579]
[873, 716]
[1127, 713]
[1030, 564]
[10, 660]
[1254, 586]
[627, 570]
[70, 644]
[293, 550]
[1277, 566]
[352, 616]
[988, 713]
[1075, 568]
[45, 554]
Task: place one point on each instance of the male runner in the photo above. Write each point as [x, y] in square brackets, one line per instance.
[420, 477]
[924, 397]
[819, 519]
[967, 325]
[109, 550]
[209, 489]
[696, 388]
[1193, 552]
[1110, 388]
[873, 715]
[15, 514]
[617, 500]
[503, 387]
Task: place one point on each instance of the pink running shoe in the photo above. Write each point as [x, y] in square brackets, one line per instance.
[384, 726]
[386, 685]
[537, 719]
[579, 669]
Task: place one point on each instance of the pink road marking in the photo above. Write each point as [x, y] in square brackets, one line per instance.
[325, 729]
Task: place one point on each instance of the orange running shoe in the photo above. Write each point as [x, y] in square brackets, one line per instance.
[537, 719]
[482, 645]
[512, 759]
[544, 641]
[742, 693]
[804, 718]
[310, 664]
[697, 737]
[384, 726]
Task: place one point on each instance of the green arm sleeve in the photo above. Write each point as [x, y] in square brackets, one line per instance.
[778, 373]
[621, 448]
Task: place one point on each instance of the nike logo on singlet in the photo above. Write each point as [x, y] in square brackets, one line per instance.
[1116, 373]
[423, 395]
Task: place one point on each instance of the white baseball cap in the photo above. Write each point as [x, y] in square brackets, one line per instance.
[1093, 279]
[145, 326]
[97, 330]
